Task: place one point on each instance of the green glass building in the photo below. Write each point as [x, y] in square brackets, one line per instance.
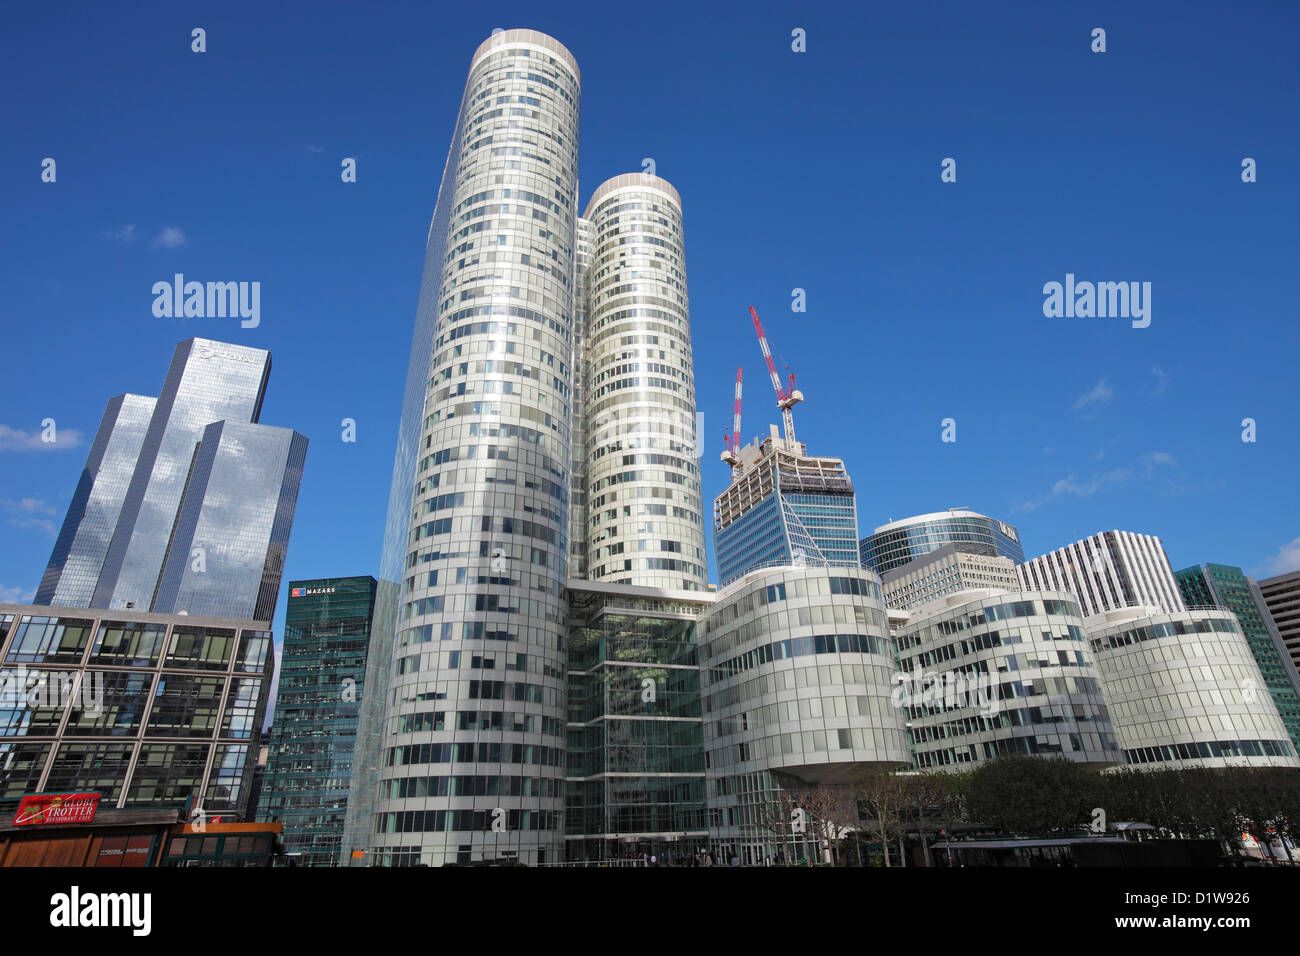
[1221, 585]
[635, 772]
[313, 734]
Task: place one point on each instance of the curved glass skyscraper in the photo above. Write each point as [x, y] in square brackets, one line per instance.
[893, 545]
[643, 496]
[475, 622]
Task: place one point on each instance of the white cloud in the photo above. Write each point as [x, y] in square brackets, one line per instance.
[315, 149]
[16, 439]
[1158, 458]
[29, 513]
[10, 595]
[170, 238]
[1099, 394]
[1162, 379]
[122, 234]
[1073, 487]
[1070, 486]
[1286, 559]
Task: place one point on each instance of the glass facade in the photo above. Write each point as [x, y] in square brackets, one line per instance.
[82, 544]
[186, 503]
[642, 479]
[635, 771]
[1219, 585]
[208, 381]
[313, 734]
[484, 550]
[784, 507]
[232, 530]
[1036, 687]
[145, 708]
[1183, 690]
[895, 544]
[796, 667]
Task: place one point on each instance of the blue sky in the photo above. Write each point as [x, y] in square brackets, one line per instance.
[816, 170]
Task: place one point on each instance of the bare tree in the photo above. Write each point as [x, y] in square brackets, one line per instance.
[882, 796]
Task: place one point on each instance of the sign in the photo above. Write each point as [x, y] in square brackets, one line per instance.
[47, 808]
[308, 592]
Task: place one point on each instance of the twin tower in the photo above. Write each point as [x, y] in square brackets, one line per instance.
[548, 434]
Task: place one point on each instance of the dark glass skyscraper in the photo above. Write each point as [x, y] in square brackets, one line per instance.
[207, 382]
[186, 503]
[232, 531]
[87, 531]
[322, 670]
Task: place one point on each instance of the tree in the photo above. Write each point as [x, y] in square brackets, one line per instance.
[1031, 795]
[882, 795]
[925, 797]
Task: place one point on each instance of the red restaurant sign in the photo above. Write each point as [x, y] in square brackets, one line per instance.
[40, 808]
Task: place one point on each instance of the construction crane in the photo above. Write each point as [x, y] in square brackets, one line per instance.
[787, 397]
[731, 454]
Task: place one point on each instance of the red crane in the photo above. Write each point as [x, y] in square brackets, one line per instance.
[731, 454]
[787, 397]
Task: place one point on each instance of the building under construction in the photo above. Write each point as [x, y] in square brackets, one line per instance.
[783, 506]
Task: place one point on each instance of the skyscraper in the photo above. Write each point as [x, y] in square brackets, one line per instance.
[185, 504]
[784, 507]
[894, 544]
[643, 496]
[87, 531]
[476, 545]
[232, 530]
[208, 382]
[1107, 571]
[1281, 594]
[322, 665]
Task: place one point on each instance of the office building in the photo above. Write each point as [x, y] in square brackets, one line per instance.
[784, 507]
[985, 672]
[635, 771]
[642, 474]
[88, 527]
[317, 706]
[1220, 585]
[185, 503]
[1183, 690]
[943, 571]
[894, 544]
[1107, 571]
[577, 565]
[796, 674]
[476, 543]
[226, 556]
[1281, 595]
[145, 709]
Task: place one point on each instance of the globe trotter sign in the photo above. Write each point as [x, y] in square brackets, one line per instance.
[45, 808]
